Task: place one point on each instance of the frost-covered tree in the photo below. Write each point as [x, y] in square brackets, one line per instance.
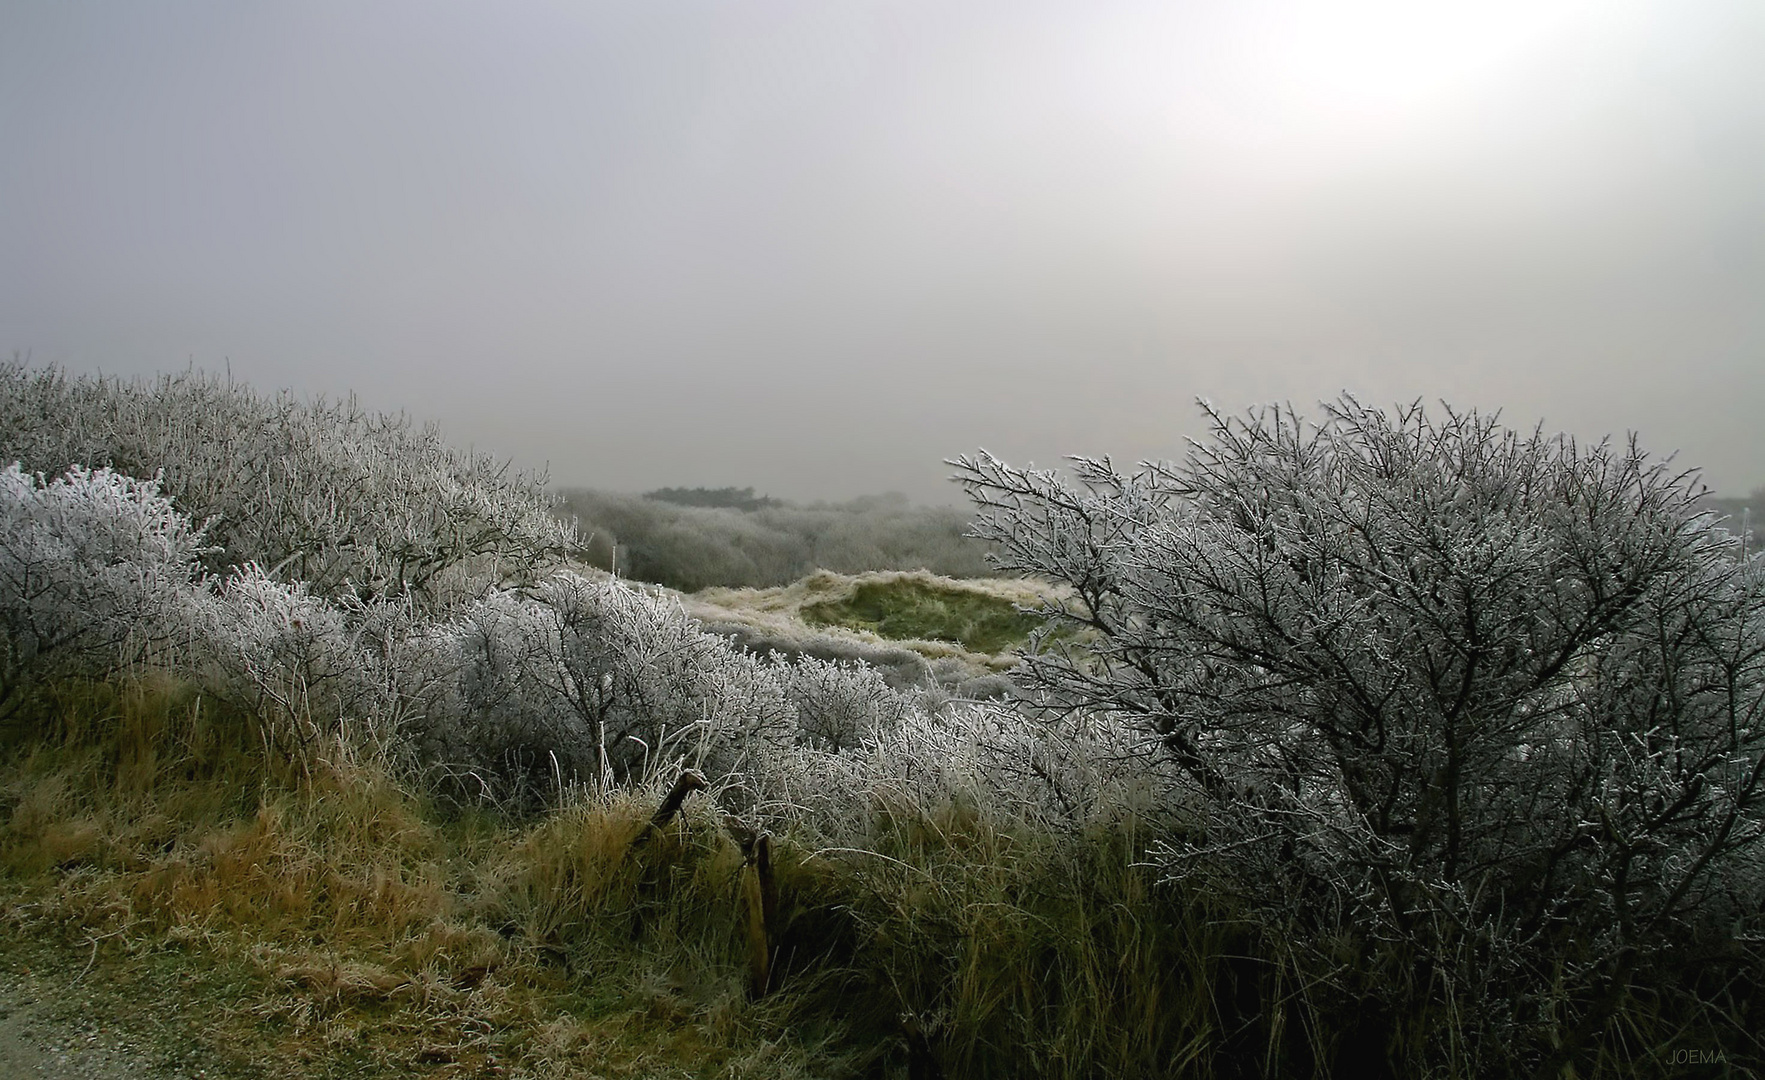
[1496, 698]
[322, 492]
[96, 570]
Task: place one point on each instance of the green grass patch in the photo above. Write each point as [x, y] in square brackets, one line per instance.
[906, 609]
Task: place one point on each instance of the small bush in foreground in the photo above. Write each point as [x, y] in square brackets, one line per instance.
[96, 570]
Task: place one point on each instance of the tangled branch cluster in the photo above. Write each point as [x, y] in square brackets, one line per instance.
[1495, 699]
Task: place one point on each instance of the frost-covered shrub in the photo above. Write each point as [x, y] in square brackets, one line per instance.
[287, 656]
[321, 492]
[96, 570]
[839, 703]
[1059, 777]
[409, 668]
[324, 675]
[597, 682]
[1062, 773]
[1488, 701]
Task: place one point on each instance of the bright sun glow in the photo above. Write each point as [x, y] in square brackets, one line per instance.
[1374, 62]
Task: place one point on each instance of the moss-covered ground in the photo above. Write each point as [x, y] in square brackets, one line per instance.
[907, 608]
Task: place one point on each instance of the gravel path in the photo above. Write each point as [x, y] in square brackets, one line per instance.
[43, 1034]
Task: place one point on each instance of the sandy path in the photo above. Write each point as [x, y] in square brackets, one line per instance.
[43, 1035]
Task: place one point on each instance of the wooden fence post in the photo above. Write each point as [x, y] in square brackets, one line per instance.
[759, 887]
[760, 896]
[684, 785]
[687, 783]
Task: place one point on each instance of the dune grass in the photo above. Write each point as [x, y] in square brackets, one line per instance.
[371, 931]
[332, 922]
[908, 608]
[915, 626]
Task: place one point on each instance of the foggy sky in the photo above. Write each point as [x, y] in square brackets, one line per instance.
[818, 247]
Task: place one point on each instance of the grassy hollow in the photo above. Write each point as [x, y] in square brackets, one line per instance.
[905, 608]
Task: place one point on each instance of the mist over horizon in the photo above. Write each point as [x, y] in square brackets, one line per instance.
[818, 250]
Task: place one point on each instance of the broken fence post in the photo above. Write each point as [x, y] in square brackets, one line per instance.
[761, 893]
[688, 782]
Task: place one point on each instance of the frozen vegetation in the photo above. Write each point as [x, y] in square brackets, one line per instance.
[689, 539]
[1390, 743]
[1744, 516]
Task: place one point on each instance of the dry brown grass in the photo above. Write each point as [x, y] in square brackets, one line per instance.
[377, 932]
[277, 921]
[368, 930]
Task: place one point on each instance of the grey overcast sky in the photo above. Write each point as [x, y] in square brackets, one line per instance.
[817, 247]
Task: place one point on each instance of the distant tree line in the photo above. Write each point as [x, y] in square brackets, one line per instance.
[689, 539]
[723, 498]
[1740, 515]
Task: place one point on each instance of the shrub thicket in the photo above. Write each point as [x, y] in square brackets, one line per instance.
[320, 492]
[96, 570]
[514, 695]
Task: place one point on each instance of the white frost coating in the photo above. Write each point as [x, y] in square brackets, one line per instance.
[97, 570]
[1473, 689]
[322, 492]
